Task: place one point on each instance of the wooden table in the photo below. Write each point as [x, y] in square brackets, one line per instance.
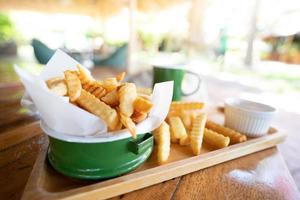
[262, 175]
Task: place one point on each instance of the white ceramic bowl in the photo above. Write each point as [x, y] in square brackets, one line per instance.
[250, 118]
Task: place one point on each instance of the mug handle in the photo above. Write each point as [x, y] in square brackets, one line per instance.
[198, 83]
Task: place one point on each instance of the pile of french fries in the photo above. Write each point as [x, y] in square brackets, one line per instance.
[117, 103]
[186, 125]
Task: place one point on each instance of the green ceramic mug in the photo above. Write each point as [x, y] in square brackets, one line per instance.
[176, 74]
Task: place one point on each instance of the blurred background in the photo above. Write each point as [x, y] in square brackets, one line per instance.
[254, 43]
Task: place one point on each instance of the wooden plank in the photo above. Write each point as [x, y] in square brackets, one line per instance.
[164, 190]
[20, 134]
[43, 184]
[15, 166]
[257, 176]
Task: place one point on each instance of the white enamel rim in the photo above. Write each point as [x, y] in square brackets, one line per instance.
[81, 139]
[170, 66]
[258, 108]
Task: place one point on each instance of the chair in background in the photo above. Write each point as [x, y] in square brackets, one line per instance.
[117, 59]
[41, 51]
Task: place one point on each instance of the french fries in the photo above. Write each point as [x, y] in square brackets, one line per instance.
[162, 140]
[144, 91]
[120, 77]
[128, 123]
[110, 84]
[53, 81]
[73, 84]
[84, 77]
[137, 117]
[95, 88]
[97, 107]
[235, 137]
[116, 103]
[142, 105]
[111, 98]
[122, 105]
[127, 96]
[57, 86]
[177, 128]
[196, 135]
[181, 105]
[215, 139]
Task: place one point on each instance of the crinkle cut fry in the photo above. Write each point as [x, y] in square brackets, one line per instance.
[235, 137]
[99, 108]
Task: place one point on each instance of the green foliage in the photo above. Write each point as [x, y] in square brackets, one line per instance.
[7, 30]
[150, 40]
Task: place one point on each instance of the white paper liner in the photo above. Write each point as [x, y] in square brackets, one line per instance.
[70, 122]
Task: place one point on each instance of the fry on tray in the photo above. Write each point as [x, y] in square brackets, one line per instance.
[196, 135]
[181, 105]
[73, 84]
[142, 105]
[185, 141]
[187, 117]
[127, 96]
[215, 139]
[235, 137]
[137, 117]
[162, 139]
[111, 98]
[95, 106]
[177, 128]
[128, 123]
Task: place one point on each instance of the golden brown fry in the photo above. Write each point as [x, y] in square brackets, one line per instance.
[120, 77]
[181, 105]
[145, 96]
[196, 135]
[215, 139]
[137, 117]
[54, 81]
[119, 126]
[162, 139]
[84, 77]
[95, 106]
[99, 92]
[129, 124]
[95, 88]
[73, 84]
[142, 105]
[57, 86]
[59, 89]
[145, 91]
[110, 84]
[235, 137]
[177, 127]
[111, 98]
[127, 95]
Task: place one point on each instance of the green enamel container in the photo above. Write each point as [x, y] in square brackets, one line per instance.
[97, 160]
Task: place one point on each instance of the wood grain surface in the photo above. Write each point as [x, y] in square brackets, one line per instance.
[262, 175]
[45, 183]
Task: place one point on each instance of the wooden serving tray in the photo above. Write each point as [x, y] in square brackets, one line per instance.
[45, 183]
